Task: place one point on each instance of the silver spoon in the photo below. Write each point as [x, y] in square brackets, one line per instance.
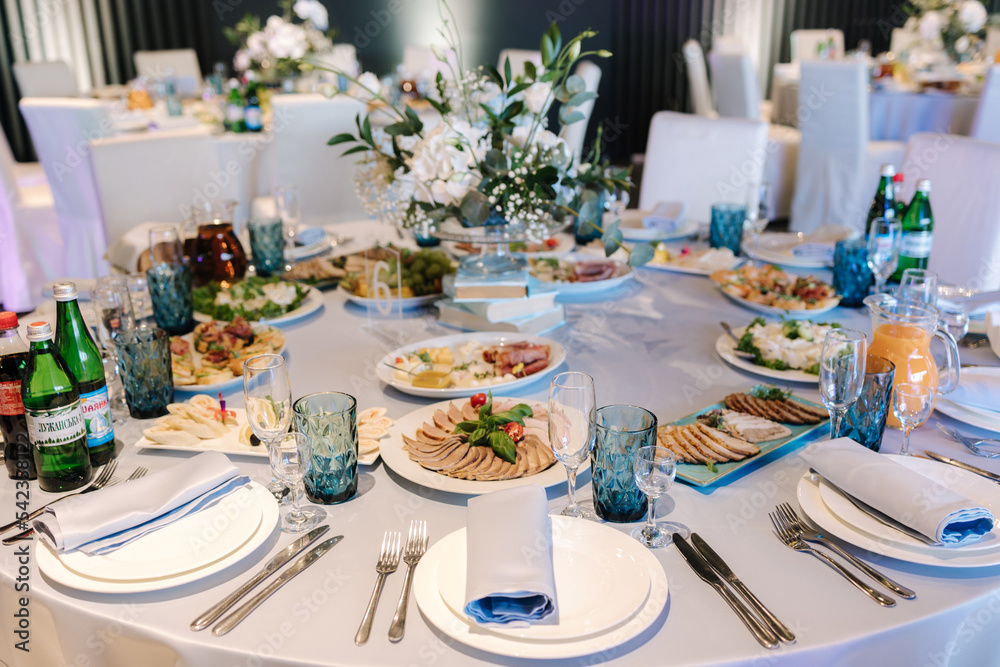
[977, 447]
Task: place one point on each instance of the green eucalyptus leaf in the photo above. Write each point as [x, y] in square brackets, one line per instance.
[612, 230]
[575, 84]
[563, 95]
[568, 115]
[580, 98]
[641, 254]
[475, 207]
[495, 159]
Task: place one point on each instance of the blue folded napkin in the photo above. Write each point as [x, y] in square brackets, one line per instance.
[509, 578]
[100, 522]
[907, 496]
[309, 235]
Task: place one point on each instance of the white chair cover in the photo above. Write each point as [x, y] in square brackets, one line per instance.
[27, 174]
[697, 75]
[986, 124]
[517, 59]
[325, 180]
[575, 133]
[153, 176]
[701, 161]
[61, 129]
[420, 61]
[805, 43]
[737, 92]
[966, 205]
[157, 64]
[46, 79]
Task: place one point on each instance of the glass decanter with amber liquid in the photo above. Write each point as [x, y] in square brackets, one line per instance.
[211, 244]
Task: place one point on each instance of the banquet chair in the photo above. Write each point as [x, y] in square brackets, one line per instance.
[183, 63]
[805, 43]
[60, 129]
[986, 123]
[962, 171]
[27, 174]
[837, 165]
[517, 59]
[575, 133]
[46, 79]
[341, 57]
[697, 76]
[421, 61]
[701, 161]
[324, 178]
[152, 176]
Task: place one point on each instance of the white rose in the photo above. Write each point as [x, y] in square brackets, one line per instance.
[312, 11]
[367, 87]
[257, 45]
[536, 95]
[962, 44]
[519, 135]
[930, 26]
[972, 15]
[241, 61]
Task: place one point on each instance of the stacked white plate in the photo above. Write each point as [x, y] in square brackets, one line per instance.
[609, 589]
[971, 414]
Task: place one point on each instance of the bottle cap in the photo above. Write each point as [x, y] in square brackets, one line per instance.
[898, 178]
[888, 169]
[39, 331]
[8, 320]
[924, 185]
[65, 291]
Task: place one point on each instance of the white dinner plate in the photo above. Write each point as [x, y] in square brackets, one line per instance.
[693, 270]
[215, 388]
[407, 303]
[779, 312]
[396, 458]
[804, 251]
[210, 535]
[570, 537]
[309, 305]
[556, 356]
[968, 414]
[227, 444]
[623, 272]
[50, 565]
[633, 230]
[811, 501]
[726, 347]
[308, 250]
[599, 584]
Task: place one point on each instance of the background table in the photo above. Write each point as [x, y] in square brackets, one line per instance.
[650, 343]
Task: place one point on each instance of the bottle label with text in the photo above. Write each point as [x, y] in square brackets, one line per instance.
[916, 244]
[10, 399]
[54, 427]
[253, 118]
[96, 407]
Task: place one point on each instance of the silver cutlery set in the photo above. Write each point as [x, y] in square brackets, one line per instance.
[388, 562]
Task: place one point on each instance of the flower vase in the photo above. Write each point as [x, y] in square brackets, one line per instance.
[495, 260]
[589, 221]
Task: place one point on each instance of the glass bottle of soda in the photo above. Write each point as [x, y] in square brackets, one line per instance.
[13, 426]
[918, 231]
[252, 113]
[83, 358]
[52, 411]
[883, 203]
[234, 109]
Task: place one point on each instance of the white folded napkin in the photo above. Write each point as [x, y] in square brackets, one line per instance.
[100, 522]
[993, 329]
[509, 577]
[666, 216]
[905, 495]
[816, 251]
[309, 235]
[978, 390]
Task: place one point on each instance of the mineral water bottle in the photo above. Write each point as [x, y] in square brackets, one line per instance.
[13, 426]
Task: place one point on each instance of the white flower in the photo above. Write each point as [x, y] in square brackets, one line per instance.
[285, 40]
[972, 15]
[443, 166]
[535, 96]
[368, 85]
[312, 11]
[931, 24]
[962, 44]
[257, 46]
[241, 61]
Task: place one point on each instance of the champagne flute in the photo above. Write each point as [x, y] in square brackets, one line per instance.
[884, 240]
[291, 456]
[572, 414]
[919, 285]
[912, 405]
[654, 469]
[286, 200]
[841, 372]
[758, 216]
[268, 397]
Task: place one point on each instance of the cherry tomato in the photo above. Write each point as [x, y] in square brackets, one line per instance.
[514, 430]
[478, 400]
[399, 360]
[551, 243]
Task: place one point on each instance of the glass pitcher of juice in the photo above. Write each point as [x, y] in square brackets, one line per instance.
[211, 245]
[902, 330]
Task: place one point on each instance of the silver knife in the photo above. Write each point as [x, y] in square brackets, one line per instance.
[761, 633]
[283, 556]
[231, 621]
[964, 466]
[720, 566]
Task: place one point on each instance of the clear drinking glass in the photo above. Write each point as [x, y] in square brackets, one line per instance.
[919, 285]
[841, 372]
[268, 397]
[884, 240]
[572, 413]
[655, 468]
[912, 405]
[142, 304]
[113, 310]
[286, 200]
[758, 216]
[291, 456]
[955, 319]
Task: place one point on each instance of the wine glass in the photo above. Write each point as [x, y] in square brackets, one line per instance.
[291, 456]
[113, 310]
[841, 372]
[268, 397]
[286, 200]
[884, 240]
[912, 405]
[758, 216]
[654, 468]
[572, 414]
[955, 319]
[919, 285]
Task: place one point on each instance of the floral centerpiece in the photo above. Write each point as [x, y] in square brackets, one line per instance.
[275, 50]
[956, 26]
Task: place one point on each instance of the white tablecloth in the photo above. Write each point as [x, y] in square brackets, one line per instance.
[650, 344]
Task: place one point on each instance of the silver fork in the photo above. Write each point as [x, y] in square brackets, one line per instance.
[787, 536]
[806, 532]
[136, 474]
[102, 480]
[416, 547]
[974, 446]
[388, 561]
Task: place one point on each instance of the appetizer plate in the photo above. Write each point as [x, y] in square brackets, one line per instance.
[556, 356]
[969, 414]
[394, 456]
[804, 251]
[692, 270]
[565, 243]
[309, 305]
[227, 444]
[623, 273]
[810, 498]
[590, 559]
[407, 303]
[633, 230]
[779, 312]
[214, 388]
[698, 474]
[189, 528]
[726, 347]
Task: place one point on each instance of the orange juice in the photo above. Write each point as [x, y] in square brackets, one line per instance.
[908, 347]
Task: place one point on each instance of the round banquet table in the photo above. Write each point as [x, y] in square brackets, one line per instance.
[650, 343]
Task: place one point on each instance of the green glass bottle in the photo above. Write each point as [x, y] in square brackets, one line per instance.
[56, 428]
[918, 231]
[234, 109]
[884, 203]
[897, 192]
[83, 358]
[252, 114]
